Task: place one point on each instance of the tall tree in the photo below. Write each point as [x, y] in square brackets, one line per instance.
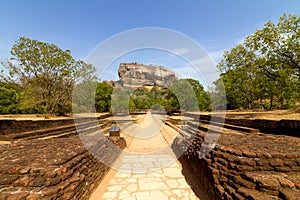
[267, 59]
[47, 74]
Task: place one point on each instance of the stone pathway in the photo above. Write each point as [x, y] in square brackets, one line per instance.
[143, 177]
[147, 169]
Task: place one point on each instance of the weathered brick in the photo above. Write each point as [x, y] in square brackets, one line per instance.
[262, 162]
[66, 175]
[34, 196]
[223, 179]
[23, 181]
[68, 195]
[286, 183]
[289, 194]
[276, 162]
[249, 154]
[50, 190]
[283, 169]
[267, 168]
[247, 161]
[52, 181]
[290, 163]
[18, 196]
[50, 174]
[268, 182]
[6, 179]
[61, 171]
[253, 194]
[221, 161]
[295, 168]
[220, 190]
[72, 187]
[38, 182]
[269, 191]
[24, 170]
[14, 169]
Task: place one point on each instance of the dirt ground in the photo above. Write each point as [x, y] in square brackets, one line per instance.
[40, 117]
[275, 115]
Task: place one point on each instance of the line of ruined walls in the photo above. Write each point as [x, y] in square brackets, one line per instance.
[69, 172]
[283, 126]
[231, 173]
[13, 126]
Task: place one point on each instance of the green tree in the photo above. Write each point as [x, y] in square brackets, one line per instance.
[84, 97]
[103, 97]
[278, 49]
[266, 60]
[185, 95]
[47, 74]
[10, 94]
[241, 77]
[170, 101]
[201, 95]
[120, 100]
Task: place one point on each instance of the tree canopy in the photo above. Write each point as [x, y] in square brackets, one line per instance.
[46, 74]
[264, 71]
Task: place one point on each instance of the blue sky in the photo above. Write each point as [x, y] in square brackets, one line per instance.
[81, 25]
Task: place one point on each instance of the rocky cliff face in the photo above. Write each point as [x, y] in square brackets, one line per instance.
[136, 75]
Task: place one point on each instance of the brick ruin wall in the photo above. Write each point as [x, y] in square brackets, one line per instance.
[13, 126]
[57, 168]
[240, 166]
[283, 126]
[244, 166]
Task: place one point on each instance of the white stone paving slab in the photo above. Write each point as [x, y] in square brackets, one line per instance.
[144, 177]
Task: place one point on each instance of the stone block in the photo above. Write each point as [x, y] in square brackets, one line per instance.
[283, 169]
[18, 196]
[114, 131]
[50, 190]
[276, 162]
[23, 182]
[289, 194]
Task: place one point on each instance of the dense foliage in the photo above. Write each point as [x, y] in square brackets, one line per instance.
[46, 75]
[264, 71]
[184, 95]
[10, 95]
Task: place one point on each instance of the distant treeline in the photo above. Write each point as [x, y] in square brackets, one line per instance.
[108, 99]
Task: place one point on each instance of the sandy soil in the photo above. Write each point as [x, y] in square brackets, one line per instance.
[275, 115]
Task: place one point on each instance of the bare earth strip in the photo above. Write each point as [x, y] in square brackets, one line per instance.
[148, 168]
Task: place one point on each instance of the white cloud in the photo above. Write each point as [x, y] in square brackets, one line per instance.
[181, 51]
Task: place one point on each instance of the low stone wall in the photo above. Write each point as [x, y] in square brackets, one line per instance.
[13, 126]
[58, 168]
[283, 126]
[246, 166]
